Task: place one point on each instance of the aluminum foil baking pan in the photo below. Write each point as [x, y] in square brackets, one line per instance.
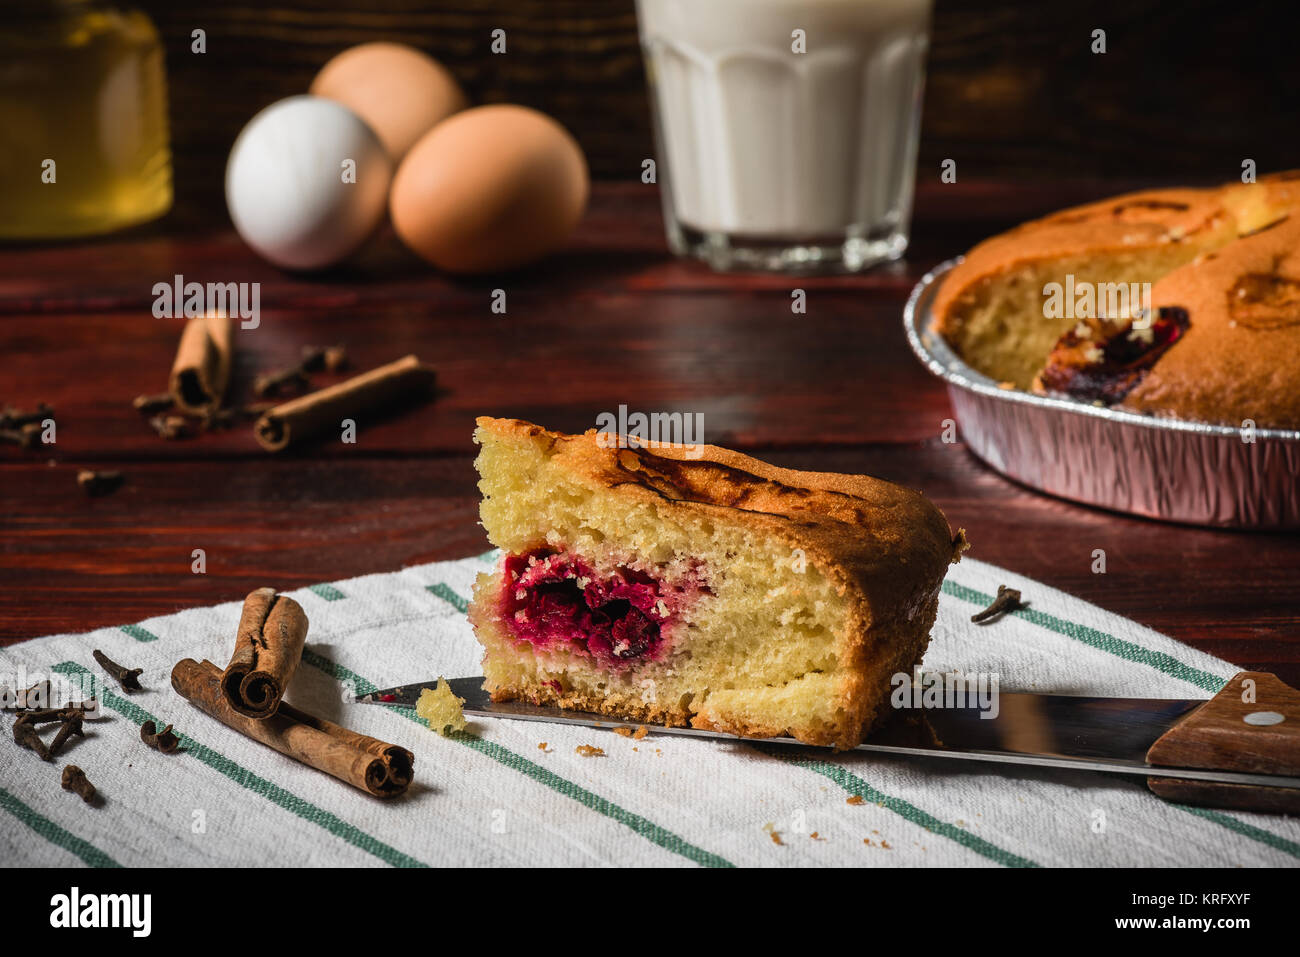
[1160, 468]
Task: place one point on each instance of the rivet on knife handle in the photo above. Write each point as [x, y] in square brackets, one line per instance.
[1252, 725]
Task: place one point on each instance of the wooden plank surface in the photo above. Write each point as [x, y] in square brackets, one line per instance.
[612, 320]
[1013, 86]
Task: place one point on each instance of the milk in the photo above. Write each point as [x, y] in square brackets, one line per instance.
[778, 147]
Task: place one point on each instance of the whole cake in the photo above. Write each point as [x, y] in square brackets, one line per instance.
[717, 592]
[1218, 341]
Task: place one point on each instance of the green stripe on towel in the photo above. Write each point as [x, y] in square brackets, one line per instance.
[1247, 830]
[247, 779]
[138, 633]
[855, 785]
[450, 597]
[87, 852]
[650, 831]
[1158, 660]
[327, 591]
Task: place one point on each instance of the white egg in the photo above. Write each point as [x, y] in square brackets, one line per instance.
[307, 182]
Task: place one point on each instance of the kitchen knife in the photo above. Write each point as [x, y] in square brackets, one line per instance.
[1239, 749]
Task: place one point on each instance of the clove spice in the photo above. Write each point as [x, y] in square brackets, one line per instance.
[12, 418]
[26, 436]
[36, 716]
[324, 358]
[217, 418]
[156, 402]
[43, 715]
[128, 678]
[170, 426]
[25, 736]
[99, 483]
[295, 378]
[164, 740]
[279, 382]
[71, 725]
[226, 416]
[1007, 600]
[74, 779]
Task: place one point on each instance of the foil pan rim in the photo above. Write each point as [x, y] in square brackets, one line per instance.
[935, 354]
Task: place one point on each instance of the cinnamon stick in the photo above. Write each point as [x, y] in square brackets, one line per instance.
[268, 647]
[325, 409]
[202, 368]
[382, 769]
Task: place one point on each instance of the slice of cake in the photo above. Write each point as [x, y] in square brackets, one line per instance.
[716, 592]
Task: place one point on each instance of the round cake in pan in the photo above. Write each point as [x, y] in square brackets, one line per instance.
[1179, 302]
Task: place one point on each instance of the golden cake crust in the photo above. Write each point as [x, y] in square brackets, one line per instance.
[884, 546]
[1256, 205]
[1126, 223]
[1238, 359]
[1240, 356]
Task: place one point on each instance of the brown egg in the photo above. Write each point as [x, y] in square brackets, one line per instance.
[489, 189]
[398, 90]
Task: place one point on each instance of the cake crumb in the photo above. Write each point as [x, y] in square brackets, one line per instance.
[588, 751]
[867, 841]
[623, 732]
[885, 845]
[773, 834]
[544, 746]
[856, 800]
[441, 708]
[640, 732]
[816, 836]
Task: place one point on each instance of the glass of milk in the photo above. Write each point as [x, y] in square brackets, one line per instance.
[786, 130]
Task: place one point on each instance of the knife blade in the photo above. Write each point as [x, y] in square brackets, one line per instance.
[1040, 730]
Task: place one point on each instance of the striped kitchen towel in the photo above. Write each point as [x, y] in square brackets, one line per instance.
[517, 793]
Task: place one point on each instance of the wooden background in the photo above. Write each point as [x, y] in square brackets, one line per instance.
[610, 319]
[1185, 89]
[1034, 120]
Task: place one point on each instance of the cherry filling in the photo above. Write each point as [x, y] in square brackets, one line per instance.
[551, 598]
[1107, 363]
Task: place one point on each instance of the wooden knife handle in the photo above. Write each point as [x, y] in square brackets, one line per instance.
[1252, 725]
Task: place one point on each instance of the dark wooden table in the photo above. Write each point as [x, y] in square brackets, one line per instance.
[612, 320]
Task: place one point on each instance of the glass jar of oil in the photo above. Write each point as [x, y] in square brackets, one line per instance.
[83, 119]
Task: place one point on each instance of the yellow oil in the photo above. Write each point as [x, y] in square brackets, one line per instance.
[83, 120]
